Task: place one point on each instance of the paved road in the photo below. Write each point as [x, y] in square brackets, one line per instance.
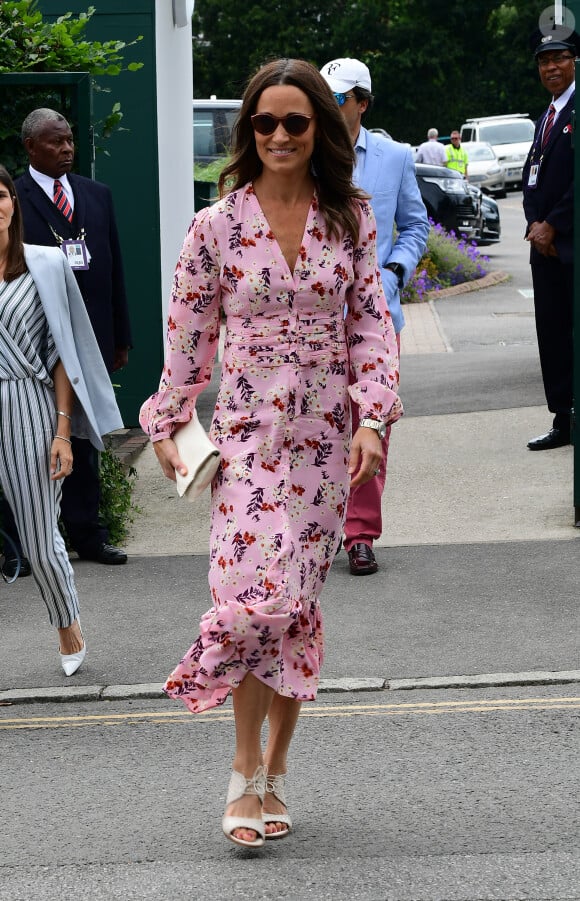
[442, 795]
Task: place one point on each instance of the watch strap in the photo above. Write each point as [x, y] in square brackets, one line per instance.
[374, 424]
[398, 270]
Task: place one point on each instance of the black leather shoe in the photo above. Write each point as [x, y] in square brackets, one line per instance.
[111, 556]
[553, 438]
[361, 560]
[10, 565]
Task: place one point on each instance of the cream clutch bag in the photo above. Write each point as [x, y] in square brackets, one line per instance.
[201, 457]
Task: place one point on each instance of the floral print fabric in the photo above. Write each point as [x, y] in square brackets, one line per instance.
[282, 423]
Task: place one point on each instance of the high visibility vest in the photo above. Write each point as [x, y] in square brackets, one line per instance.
[457, 158]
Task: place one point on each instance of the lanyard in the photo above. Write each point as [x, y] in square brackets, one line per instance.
[59, 239]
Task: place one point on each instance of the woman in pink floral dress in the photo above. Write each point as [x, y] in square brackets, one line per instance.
[289, 257]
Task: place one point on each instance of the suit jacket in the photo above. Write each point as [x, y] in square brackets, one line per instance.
[389, 177]
[96, 412]
[102, 285]
[552, 200]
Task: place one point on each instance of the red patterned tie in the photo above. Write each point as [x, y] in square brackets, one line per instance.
[61, 200]
[548, 124]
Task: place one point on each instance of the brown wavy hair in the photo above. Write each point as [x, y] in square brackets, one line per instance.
[333, 158]
[15, 262]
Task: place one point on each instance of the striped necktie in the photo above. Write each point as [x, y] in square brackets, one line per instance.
[548, 124]
[61, 200]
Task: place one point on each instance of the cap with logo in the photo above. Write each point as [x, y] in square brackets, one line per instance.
[343, 74]
[556, 39]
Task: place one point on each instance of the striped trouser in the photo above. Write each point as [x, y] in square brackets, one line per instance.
[27, 423]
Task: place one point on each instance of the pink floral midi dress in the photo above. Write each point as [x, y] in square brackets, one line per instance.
[282, 424]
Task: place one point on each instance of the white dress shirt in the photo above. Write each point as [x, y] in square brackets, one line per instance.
[46, 182]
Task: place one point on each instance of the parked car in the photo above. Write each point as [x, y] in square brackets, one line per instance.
[510, 136]
[213, 121]
[381, 131]
[490, 225]
[484, 169]
[449, 200]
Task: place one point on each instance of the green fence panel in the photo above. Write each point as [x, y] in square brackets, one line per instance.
[128, 163]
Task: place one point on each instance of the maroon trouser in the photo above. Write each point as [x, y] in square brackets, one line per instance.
[363, 513]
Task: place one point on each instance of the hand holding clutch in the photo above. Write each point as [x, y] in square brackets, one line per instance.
[201, 457]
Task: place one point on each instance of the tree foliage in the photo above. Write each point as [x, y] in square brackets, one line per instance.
[30, 44]
[433, 62]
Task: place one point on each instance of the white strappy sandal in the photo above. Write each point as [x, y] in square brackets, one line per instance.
[240, 786]
[275, 786]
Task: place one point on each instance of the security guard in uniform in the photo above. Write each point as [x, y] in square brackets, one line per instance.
[548, 189]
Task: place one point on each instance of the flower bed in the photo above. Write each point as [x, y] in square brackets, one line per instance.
[448, 260]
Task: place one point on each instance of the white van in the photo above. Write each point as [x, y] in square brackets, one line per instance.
[510, 136]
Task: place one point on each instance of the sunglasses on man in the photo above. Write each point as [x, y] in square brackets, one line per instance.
[342, 98]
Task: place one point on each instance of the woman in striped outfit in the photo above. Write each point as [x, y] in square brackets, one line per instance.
[53, 383]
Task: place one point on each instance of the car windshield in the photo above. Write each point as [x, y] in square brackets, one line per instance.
[507, 132]
[480, 153]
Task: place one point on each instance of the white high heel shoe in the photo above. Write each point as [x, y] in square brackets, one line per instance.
[240, 786]
[71, 662]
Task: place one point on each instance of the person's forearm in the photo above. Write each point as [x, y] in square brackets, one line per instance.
[64, 396]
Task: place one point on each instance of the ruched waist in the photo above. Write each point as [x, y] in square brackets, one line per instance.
[287, 340]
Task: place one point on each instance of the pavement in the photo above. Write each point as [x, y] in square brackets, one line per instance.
[478, 559]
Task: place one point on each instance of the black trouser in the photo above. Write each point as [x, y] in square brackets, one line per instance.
[81, 495]
[554, 306]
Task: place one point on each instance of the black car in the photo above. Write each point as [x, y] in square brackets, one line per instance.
[491, 226]
[449, 200]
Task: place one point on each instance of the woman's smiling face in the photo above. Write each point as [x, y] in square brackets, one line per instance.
[6, 208]
[280, 152]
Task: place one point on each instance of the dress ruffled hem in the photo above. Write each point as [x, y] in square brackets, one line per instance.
[198, 700]
[275, 642]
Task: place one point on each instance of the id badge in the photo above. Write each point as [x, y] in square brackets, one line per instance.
[76, 253]
[533, 176]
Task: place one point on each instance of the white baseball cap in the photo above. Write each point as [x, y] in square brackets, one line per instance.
[343, 74]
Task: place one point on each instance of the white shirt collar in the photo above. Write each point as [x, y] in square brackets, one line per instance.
[46, 182]
[561, 101]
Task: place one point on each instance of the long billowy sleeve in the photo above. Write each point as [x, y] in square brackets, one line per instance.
[192, 333]
[372, 343]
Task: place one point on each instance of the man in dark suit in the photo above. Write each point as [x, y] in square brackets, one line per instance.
[548, 187]
[76, 213]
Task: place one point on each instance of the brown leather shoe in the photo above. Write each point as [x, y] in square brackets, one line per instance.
[361, 560]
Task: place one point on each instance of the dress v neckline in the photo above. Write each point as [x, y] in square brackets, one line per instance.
[306, 235]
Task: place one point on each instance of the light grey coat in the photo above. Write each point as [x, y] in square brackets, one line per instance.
[96, 412]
